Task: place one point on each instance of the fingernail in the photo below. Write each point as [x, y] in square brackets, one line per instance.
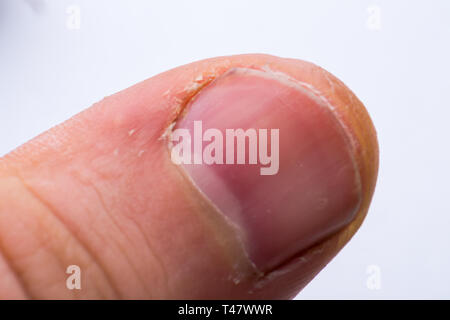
[294, 181]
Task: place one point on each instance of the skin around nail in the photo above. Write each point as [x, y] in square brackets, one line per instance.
[315, 189]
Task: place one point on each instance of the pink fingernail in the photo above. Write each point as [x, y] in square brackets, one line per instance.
[294, 181]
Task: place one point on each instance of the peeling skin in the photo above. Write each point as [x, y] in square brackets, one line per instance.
[199, 78]
[168, 132]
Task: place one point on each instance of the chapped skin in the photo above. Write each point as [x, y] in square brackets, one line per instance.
[100, 191]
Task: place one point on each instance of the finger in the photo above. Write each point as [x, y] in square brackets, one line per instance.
[102, 191]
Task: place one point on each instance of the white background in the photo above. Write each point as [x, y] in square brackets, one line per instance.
[393, 54]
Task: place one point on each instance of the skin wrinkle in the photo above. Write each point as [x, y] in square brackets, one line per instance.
[43, 243]
[14, 272]
[121, 249]
[151, 249]
[159, 260]
[84, 246]
[44, 247]
[155, 257]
